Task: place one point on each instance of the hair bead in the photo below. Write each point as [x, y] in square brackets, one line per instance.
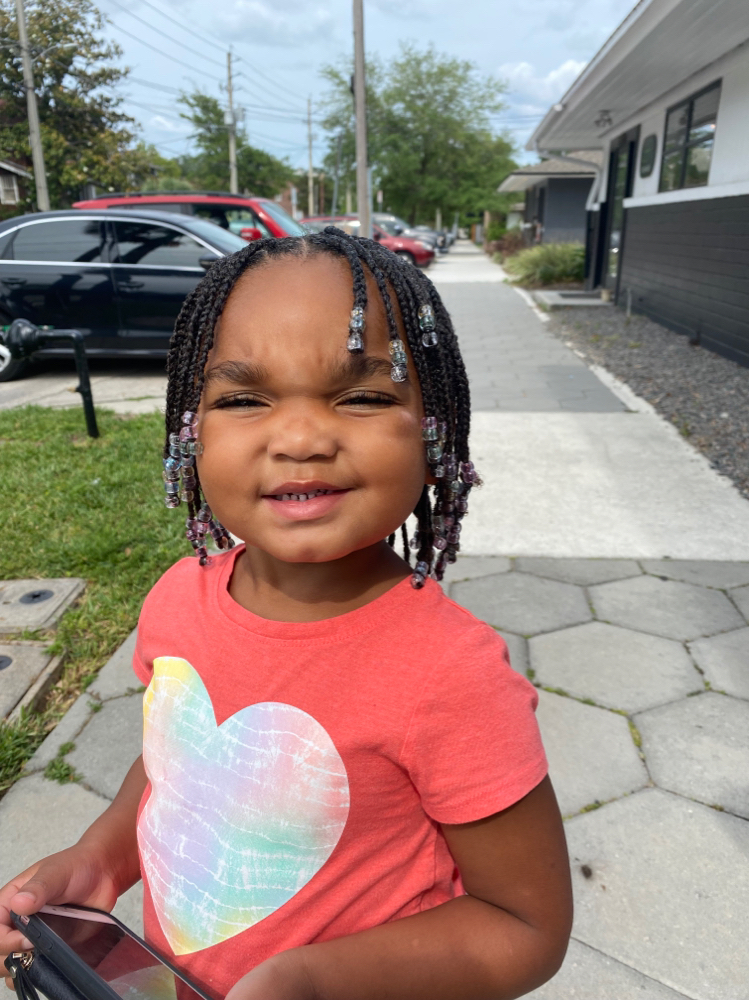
[416, 319]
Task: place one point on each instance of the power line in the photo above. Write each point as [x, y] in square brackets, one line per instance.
[165, 54]
[147, 24]
[179, 24]
[206, 38]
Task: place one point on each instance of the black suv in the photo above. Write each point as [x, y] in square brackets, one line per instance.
[118, 277]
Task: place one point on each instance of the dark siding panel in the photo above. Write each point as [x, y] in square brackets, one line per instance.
[687, 266]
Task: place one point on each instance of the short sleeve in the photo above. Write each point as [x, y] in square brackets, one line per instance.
[473, 747]
[143, 672]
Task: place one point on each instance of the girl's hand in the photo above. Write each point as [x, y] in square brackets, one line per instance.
[71, 876]
[283, 977]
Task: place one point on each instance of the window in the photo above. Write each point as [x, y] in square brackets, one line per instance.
[647, 155]
[284, 220]
[148, 243]
[688, 142]
[230, 217]
[8, 189]
[70, 240]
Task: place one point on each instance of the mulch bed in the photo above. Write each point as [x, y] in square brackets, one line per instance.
[704, 395]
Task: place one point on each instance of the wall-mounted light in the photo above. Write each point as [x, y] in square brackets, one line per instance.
[604, 119]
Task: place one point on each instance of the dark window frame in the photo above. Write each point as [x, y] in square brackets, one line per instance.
[684, 147]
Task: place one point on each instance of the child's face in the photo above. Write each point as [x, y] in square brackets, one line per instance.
[287, 409]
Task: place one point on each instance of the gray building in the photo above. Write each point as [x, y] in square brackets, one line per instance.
[666, 101]
[556, 196]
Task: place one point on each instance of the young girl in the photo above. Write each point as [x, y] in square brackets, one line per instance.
[343, 793]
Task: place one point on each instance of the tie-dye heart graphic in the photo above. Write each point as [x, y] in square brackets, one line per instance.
[240, 816]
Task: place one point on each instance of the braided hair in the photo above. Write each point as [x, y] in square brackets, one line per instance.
[436, 357]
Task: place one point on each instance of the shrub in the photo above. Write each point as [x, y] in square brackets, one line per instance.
[511, 243]
[495, 231]
[548, 264]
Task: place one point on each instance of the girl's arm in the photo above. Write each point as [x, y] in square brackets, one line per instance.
[94, 872]
[504, 939]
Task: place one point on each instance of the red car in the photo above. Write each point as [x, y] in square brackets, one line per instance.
[414, 251]
[250, 218]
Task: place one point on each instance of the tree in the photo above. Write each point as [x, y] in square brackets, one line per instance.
[431, 144]
[85, 136]
[257, 171]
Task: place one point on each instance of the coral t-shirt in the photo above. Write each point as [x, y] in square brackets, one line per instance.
[299, 773]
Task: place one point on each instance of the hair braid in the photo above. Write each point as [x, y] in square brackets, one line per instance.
[439, 369]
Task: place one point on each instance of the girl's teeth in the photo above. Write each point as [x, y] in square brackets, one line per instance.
[301, 496]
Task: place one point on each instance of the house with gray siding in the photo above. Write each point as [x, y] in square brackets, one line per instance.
[556, 195]
[666, 102]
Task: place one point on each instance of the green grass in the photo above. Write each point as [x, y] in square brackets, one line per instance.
[91, 508]
[548, 264]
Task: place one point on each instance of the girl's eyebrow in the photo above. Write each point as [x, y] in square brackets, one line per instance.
[354, 368]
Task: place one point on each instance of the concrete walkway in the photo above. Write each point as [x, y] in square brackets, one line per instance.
[641, 660]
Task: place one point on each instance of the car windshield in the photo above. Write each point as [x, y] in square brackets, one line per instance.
[222, 239]
[390, 227]
[283, 218]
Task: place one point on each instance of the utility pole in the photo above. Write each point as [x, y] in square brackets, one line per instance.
[334, 209]
[360, 107]
[310, 175]
[231, 121]
[35, 135]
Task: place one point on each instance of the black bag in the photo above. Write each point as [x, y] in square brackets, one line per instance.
[31, 971]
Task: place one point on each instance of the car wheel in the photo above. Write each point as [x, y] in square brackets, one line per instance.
[9, 368]
[406, 256]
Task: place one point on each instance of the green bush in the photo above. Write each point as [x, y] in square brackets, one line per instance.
[495, 231]
[548, 264]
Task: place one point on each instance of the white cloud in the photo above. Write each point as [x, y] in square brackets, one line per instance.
[167, 125]
[287, 24]
[533, 93]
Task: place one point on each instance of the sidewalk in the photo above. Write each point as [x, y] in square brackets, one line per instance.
[615, 563]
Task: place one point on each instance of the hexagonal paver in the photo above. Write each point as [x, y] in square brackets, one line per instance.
[517, 647]
[664, 607]
[583, 572]
[589, 975]
[676, 892]
[740, 598]
[471, 567]
[702, 572]
[523, 604]
[616, 667]
[109, 744]
[592, 757]
[699, 747]
[725, 661]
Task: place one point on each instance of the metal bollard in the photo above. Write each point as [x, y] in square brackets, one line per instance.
[24, 338]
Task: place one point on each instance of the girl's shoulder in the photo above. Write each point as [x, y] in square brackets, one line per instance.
[187, 580]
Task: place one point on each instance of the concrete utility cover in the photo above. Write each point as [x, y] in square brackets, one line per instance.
[35, 604]
[19, 668]
[699, 748]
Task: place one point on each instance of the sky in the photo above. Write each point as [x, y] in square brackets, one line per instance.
[537, 47]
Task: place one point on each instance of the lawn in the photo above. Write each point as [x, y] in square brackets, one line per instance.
[91, 508]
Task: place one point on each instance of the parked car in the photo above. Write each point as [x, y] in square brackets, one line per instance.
[120, 277]
[418, 252]
[399, 227]
[250, 218]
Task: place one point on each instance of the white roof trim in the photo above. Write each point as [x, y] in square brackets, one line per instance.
[13, 168]
[706, 193]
